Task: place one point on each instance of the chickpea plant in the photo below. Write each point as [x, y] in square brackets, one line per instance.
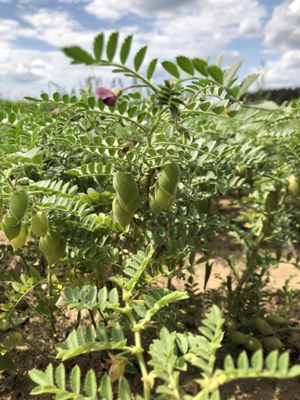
[104, 194]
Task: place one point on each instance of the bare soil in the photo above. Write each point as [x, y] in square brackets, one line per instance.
[18, 385]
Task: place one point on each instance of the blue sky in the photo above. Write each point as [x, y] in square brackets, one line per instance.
[264, 34]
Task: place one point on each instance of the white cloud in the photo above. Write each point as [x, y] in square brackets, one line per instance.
[57, 28]
[284, 72]
[282, 32]
[10, 29]
[29, 72]
[191, 27]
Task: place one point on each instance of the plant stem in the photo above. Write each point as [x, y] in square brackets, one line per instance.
[139, 352]
[50, 294]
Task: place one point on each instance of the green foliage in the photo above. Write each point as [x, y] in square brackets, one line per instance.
[129, 226]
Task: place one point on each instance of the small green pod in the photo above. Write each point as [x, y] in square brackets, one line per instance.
[39, 223]
[237, 337]
[154, 206]
[164, 199]
[48, 244]
[272, 202]
[11, 226]
[294, 185]
[276, 320]
[127, 191]
[271, 343]
[59, 252]
[19, 202]
[120, 215]
[262, 326]
[169, 177]
[20, 240]
[252, 344]
[229, 322]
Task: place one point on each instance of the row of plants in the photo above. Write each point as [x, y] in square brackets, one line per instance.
[105, 194]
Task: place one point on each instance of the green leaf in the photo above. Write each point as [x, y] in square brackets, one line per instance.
[78, 55]
[257, 360]
[242, 362]
[56, 96]
[112, 44]
[117, 334]
[90, 384]
[105, 388]
[216, 73]
[271, 360]
[113, 296]
[12, 117]
[219, 61]
[102, 296]
[31, 98]
[151, 68]
[139, 58]
[171, 68]
[185, 64]
[38, 377]
[200, 65]
[294, 371]
[75, 379]
[124, 390]
[125, 49]
[230, 73]
[247, 82]
[60, 377]
[45, 96]
[2, 115]
[228, 363]
[49, 374]
[92, 102]
[283, 363]
[98, 46]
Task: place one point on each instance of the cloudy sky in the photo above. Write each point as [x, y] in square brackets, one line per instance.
[265, 34]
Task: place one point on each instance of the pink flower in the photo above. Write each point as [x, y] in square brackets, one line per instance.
[108, 96]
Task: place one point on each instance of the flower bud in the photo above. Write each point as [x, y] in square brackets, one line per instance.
[108, 96]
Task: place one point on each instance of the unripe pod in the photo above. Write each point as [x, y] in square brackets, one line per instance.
[19, 202]
[120, 215]
[11, 226]
[59, 252]
[127, 191]
[155, 207]
[230, 323]
[252, 344]
[272, 343]
[272, 202]
[262, 326]
[294, 185]
[39, 223]
[237, 337]
[169, 177]
[163, 198]
[49, 243]
[20, 240]
[276, 320]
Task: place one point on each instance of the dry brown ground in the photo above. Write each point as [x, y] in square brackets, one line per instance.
[19, 386]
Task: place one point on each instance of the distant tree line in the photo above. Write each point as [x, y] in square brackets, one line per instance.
[276, 95]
